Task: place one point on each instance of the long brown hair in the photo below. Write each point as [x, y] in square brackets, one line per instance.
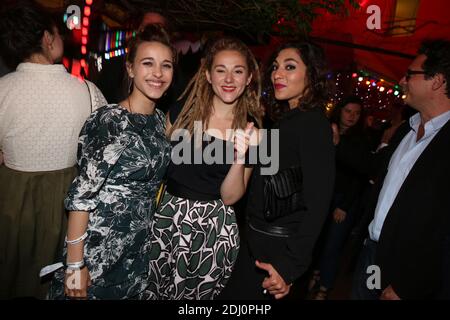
[199, 102]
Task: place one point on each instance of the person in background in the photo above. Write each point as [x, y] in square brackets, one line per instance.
[409, 234]
[42, 109]
[352, 153]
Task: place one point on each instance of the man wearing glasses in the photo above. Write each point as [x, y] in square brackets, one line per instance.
[409, 237]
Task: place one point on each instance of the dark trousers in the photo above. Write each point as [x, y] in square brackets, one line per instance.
[335, 236]
[360, 290]
[445, 289]
[246, 280]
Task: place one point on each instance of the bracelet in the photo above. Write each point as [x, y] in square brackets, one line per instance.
[75, 265]
[77, 240]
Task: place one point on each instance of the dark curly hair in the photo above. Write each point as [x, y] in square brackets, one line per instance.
[317, 87]
[438, 60]
[22, 27]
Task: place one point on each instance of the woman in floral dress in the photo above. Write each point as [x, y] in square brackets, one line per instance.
[122, 156]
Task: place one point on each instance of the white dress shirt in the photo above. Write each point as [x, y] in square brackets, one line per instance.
[403, 159]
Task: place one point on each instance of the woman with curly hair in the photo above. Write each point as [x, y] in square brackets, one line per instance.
[286, 210]
[195, 237]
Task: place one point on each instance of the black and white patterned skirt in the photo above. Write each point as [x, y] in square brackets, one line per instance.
[193, 249]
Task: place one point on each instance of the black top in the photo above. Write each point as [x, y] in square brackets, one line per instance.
[194, 179]
[305, 139]
[352, 170]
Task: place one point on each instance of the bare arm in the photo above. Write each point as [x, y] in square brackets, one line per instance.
[76, 281]
[78, 221]
[235, 183]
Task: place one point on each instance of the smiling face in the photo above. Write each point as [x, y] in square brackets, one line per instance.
[289, 76]
[152, 69]
[416, 87]
[229, 75]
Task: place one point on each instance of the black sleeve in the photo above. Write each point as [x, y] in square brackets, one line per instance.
[354, 154]
[318, 166]
[351, 194]
[381, 159]
[354, 158]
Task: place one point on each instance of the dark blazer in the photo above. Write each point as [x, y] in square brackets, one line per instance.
[411, 246]
[306, 140]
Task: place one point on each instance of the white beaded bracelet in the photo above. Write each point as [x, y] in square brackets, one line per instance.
[75, 265]
[77, 240]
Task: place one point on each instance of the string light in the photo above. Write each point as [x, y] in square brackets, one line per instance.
[374, 91]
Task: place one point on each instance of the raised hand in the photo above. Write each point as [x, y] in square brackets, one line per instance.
[241, 142]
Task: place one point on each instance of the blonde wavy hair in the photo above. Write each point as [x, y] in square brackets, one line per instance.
[199, 102]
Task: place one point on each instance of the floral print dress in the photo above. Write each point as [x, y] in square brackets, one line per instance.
[122, 158]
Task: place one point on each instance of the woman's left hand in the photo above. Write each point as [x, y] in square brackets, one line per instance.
[274, 283]
[339, 215]
[389, 294]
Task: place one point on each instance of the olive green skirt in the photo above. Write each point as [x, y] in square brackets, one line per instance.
[32, 228]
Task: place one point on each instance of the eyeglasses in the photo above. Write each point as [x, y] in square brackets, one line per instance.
[410, 73]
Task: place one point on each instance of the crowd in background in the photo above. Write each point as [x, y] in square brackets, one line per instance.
[94, 205]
